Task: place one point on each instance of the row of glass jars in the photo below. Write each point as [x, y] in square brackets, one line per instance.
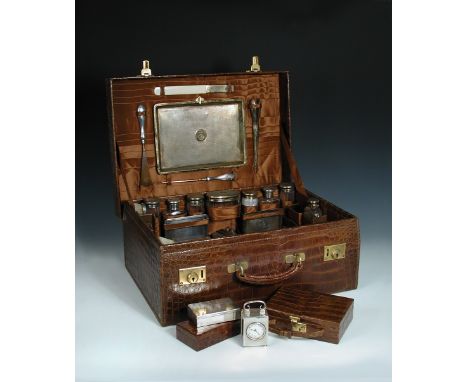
[249, 200]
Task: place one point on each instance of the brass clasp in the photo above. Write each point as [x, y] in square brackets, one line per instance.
[255, 67]
[297, 257]
[296, 325]
[239, 266]
[145, 70]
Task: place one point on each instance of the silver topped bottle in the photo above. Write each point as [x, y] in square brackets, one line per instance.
[312, 211]
[287, 194]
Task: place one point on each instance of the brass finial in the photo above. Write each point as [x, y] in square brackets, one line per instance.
[255, 67]
[146, 71]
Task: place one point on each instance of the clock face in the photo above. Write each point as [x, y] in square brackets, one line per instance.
[255, 331]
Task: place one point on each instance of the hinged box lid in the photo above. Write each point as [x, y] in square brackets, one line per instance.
[298, 310]
[203, 117]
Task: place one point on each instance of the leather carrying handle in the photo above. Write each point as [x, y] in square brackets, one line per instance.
[270, 278]
[284, 328]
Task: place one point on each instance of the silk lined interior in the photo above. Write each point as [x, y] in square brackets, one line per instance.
[127, 94]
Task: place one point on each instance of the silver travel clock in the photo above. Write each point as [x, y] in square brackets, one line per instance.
[254, 324]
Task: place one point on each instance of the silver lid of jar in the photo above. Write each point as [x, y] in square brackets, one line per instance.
[313, 202]
[286, 186]
[269, 191]
[173, 204]
[195, 197]
[152, 202]
[249, 194]
[223, 196]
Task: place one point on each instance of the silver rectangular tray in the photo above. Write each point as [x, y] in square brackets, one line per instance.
[213, 312]
[199, 135]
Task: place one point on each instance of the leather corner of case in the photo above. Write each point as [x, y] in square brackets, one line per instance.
[346, 321]
[187, 333]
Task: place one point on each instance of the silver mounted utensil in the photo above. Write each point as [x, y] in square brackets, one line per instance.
[145, 179]
[224, 178]
[192, 89]
[255, 110]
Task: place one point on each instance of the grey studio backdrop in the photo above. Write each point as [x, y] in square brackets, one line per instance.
[339, 57]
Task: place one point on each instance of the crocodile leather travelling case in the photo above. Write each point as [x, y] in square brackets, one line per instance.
[324, 257]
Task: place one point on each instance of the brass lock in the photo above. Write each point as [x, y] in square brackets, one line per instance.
[194, 275]
[334, 252]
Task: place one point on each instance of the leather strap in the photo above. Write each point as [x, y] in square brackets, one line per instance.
[284, 328]
[269, 279]
[121, 174]
[294, 171]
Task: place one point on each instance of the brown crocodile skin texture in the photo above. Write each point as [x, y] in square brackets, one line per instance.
[326, 316]
[155, 267]
[207, 336]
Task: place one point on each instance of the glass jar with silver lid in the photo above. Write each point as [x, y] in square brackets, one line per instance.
[249, 201]
[224, 197]
[287, 193]
[269, 200]
[152, 205]
[223, 205]
[195, 204]
[173, 208]
[312, 212]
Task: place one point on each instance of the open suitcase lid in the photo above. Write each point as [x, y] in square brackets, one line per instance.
[298, 310]
[199, 126]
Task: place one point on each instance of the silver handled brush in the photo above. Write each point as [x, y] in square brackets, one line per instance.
[145, 179]
[255, 109]
[225, 177]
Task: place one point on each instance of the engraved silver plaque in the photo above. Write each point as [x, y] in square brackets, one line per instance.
[199, 135]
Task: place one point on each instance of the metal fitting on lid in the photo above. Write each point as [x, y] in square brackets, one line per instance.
[255, 67]
[146, 71]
